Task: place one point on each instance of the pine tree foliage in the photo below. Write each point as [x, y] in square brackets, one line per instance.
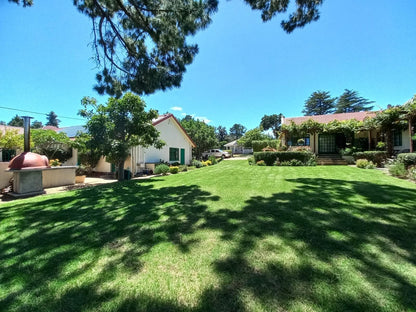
[52, 119]
[141, 45]
[237, 131]
[350, 102]
[16, 121]
[319, 103]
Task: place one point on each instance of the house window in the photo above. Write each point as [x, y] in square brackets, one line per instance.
[293, 141]
[173, 154]
[397, 138]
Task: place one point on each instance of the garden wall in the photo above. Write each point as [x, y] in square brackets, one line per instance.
[4, 176]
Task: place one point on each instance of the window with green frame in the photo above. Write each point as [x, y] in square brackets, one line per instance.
[397, 138]
[173, 154]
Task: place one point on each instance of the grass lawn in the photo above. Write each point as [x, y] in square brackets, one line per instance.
[230, 237]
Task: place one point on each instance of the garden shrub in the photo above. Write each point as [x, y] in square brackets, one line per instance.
[206, 163]
[183, 168]
[412, 173]
[261, 163]
[196, 163]
[213, 160]
[377, 157]
[175, 164]
[292, 162]
[307, 158]
[365, 164]
[408, 159]
[251, 161]
[173, 169]
[162, 169]
[398, 169]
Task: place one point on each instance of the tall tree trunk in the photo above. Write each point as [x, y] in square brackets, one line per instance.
[389, 142]
[120, 171]
[369, 140]
[410, 135]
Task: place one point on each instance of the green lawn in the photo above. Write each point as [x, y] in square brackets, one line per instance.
[230, 237]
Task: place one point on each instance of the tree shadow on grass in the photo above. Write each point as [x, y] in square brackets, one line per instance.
[328, 245]
[56, 240]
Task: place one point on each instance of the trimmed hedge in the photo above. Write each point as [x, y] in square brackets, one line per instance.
[408, 159]
[377, 157]
[271, 157]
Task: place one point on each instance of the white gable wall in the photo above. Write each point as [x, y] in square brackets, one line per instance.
[174, 137]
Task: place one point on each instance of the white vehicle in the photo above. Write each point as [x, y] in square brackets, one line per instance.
[215, 152]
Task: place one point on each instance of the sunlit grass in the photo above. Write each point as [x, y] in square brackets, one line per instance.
[230, 237]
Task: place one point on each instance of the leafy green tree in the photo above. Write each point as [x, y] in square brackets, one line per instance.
[409, 114]
[36, 124]
[88, 154]
[237, 131]
[222, 135]
[255, 134]
[16, 121]
[140, 45]
[272, 122]
[11, 140]
[52, 119]
[118, 126]
[52, 144]
[389, 120]
[350, 102]
[319, 103]
[202, 134]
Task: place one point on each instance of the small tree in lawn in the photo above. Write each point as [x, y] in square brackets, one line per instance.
[118, 126]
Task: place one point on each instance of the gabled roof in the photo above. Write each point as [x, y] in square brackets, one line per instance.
[359, 116]
[164, 117]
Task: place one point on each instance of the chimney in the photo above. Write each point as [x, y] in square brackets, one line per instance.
[26, 126]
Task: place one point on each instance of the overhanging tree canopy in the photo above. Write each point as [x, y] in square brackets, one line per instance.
[141, 45]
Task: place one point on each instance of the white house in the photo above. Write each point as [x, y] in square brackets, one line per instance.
[178, 148]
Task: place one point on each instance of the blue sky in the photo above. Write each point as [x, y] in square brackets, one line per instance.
[245, 68]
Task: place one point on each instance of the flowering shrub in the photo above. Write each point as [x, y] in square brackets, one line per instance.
[365, 164]
[261, 163]
[173, 169]
[54, 163]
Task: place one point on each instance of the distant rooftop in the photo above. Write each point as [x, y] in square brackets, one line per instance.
[72, 131]
[359, 116]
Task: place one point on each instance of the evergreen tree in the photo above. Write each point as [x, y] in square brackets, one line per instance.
[350, 102]
[237, 131]
[52, 120]
[16, 121]
[319, 103]
[36, 124]
[140, 45]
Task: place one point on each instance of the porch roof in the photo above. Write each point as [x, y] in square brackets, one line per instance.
[359, 116]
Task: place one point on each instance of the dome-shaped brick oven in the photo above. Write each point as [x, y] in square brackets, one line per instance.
[28, 160]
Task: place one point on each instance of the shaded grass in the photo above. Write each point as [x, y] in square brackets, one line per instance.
[225, 238]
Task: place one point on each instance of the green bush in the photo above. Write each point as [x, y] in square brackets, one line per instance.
[412, 173]
[377, 157]
[292, 162]
[174, 169]
[261, 163]
[271, 157]
[381, 146]
[213, 160]
[251, 161]
[196, 163]
[162, 169]
[398, 169]
[408, 159]
[183, 168]
[365, 164]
